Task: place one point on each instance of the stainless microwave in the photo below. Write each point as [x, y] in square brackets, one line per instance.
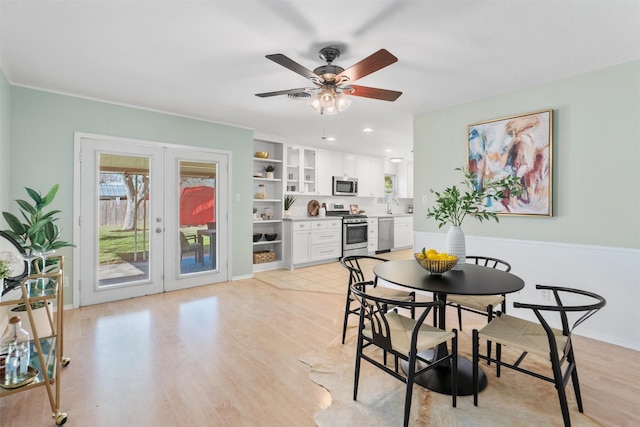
[343, 186]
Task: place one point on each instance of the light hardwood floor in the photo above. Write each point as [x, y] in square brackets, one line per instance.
[227, 355]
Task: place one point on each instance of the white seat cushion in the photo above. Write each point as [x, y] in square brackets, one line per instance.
[521, 334]
[478, 302]
[401, 328]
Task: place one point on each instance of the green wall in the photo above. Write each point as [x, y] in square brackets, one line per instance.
[596, 150]
[42, 152]
[5, 129]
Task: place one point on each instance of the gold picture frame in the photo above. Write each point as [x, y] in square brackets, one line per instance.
[522, 146]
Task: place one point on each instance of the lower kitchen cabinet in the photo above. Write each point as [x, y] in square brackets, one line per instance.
[373, 235]
[402, 232]
[310, 242]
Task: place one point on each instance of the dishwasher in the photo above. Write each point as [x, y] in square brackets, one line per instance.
[385, 234]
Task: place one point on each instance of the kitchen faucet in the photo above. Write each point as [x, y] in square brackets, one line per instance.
[389, 208]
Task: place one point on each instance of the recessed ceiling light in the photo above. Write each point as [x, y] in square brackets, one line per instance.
[367, 130]
[329, 138]
[395, 159]
[388, 150]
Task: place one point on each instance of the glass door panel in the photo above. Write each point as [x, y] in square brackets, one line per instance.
[121, 217]
[198, 226]
[123, 206]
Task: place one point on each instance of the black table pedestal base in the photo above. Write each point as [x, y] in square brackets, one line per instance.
[439, 378]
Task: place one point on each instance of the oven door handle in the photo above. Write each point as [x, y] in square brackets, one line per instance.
[351, 225]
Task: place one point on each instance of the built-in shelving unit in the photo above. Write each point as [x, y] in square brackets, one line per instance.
[268, 218]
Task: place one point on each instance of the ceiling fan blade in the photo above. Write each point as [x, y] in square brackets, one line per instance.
[289, 63]
[372, 92]
[281, 92]
[368, 65]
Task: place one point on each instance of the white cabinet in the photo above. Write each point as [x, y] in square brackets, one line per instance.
[405, 179]
[373, 235]
[301, 242]
[267, 203]
[313, 241]
[301, 171]
[402, 232]
[333, 163]
[370, 176]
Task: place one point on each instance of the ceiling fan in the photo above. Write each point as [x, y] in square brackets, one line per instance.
[333, 82]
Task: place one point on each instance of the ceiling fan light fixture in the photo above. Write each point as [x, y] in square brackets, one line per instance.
[328, 97]
[342, 102]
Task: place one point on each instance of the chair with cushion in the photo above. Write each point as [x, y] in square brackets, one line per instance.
[356, 265]
[480, 304]
[539, 338]
[401, 336]
[195, 247]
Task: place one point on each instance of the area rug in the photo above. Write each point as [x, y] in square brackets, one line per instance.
[514, 399]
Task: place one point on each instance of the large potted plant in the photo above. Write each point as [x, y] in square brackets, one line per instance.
[38, 234]
[473, 198]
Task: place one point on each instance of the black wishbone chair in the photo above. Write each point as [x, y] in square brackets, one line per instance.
[403, 337]
[541, 339]
[355, 265]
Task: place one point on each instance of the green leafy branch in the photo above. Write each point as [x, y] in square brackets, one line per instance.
[38, 232]
[452, 205]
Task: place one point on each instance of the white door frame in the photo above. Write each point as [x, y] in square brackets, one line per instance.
[225, 243]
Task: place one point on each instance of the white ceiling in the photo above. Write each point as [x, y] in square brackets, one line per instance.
[206, 59]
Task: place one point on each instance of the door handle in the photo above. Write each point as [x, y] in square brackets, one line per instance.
[159, 230]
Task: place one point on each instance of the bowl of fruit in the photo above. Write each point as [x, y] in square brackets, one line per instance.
[435, 262]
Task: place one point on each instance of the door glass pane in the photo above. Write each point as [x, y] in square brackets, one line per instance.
[123, 231]
[198, 230]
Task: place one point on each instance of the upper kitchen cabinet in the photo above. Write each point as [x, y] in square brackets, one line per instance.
[370, 176]
[334, 163]
[302, 169]
[405, 179]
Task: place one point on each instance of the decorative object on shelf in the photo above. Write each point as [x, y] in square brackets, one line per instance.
[5, 271]
[525, 143]
[39, 233]
[313, 208]
[257, 175]
[15, 344]
[269, 169]
[260, 257]
[452, 206]
[255, 212]
[13, 253]
[262, 192]
[262, 154]
[41, 311]
[270, 236]
[288, 202]
[256, 237]
[268, 215]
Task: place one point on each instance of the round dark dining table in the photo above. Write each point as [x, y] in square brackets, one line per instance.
[471, 280]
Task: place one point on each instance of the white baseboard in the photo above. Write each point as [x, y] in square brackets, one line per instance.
[611, 272]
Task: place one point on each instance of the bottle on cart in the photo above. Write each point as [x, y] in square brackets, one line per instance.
[15, 344]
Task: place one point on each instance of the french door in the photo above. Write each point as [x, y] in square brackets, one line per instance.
[152, 218]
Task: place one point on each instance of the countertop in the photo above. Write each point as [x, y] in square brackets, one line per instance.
[319, 218]
[395, 215]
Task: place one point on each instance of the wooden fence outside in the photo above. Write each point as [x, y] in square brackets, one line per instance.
[112, 213]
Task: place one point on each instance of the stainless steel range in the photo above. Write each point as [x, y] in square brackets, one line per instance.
[355, 231]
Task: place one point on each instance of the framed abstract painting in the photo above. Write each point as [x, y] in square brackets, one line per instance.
[519, 146]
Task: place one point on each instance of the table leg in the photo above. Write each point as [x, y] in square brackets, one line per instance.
[439, 378]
